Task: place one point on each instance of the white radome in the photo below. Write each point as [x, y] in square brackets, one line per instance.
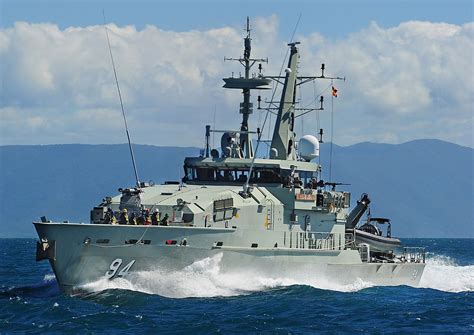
[308, 147]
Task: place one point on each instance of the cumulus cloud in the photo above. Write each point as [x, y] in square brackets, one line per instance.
[411, 81]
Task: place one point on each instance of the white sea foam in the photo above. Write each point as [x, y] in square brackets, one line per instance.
[443, 274]
[203, 279]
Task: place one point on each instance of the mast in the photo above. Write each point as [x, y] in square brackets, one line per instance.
[247, 83]
[246, 107]
[283, 140]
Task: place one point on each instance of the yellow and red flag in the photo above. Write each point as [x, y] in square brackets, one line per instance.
[334, 92]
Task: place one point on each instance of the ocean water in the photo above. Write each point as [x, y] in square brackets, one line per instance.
[200, 300]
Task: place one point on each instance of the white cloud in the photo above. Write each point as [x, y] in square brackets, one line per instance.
[406, 82]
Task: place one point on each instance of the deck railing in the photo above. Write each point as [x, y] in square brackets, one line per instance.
[317, 240]
[414, 255]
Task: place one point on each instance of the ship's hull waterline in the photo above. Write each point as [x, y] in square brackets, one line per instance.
[78, 259]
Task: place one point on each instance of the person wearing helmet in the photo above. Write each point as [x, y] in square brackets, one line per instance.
[113, 218]
[147, 216]
[110, 217]
[123, 217]
[155, 217]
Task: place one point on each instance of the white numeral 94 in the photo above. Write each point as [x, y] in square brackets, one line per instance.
[115, 266]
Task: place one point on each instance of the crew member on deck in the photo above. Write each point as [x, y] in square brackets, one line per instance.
[133, 219]
[155, 217]
[114, 218]
[123, 217]
[313, 183]
[147, 216]
[109, 217]
[165, 221]
[141, 218]
[297, 182]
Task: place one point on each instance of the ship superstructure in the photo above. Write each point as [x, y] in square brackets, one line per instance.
[272, 214]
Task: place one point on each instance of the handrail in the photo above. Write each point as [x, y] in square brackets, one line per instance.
[414, 255]
[319, 240]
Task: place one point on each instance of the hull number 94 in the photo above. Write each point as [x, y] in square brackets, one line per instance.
[115, 266]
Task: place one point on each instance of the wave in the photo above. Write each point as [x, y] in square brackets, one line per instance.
[444, 274]
[203, 279]
[48, 287]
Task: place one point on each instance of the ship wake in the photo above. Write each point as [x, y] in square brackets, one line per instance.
[444, 274]
[204, 279]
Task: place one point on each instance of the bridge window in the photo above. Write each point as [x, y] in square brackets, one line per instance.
[232, 176]
[205, 174]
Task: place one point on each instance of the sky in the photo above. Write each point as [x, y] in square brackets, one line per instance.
[408, 67]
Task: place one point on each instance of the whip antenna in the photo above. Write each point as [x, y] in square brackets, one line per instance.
[332, 132]
[121, 104]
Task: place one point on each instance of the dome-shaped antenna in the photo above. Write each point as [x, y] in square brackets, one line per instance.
[308, 147]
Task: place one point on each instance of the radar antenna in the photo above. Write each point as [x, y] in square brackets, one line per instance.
[246, 84]
[121, 105]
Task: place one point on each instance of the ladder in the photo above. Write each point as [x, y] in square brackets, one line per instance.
[269, 216]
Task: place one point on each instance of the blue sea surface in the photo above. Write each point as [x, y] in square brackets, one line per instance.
[201, 301]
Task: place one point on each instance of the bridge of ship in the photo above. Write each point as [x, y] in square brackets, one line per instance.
[235, 171]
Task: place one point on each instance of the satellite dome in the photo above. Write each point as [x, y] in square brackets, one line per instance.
[308, 147]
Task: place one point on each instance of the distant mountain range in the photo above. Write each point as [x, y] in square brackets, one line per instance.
[424, 186]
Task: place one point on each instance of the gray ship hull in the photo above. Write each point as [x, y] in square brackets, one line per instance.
[78, 258]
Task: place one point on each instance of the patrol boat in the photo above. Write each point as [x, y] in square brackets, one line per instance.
[272, 216]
